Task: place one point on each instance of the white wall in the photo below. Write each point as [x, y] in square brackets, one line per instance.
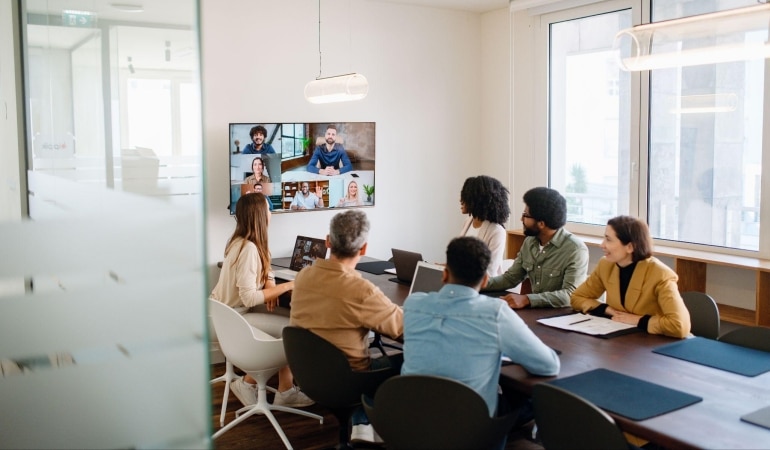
[429, 85]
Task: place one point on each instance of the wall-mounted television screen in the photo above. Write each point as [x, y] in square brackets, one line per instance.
[303, 166]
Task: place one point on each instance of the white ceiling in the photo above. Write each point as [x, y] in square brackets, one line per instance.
[168, 11]
[146, 46]
[479, 6]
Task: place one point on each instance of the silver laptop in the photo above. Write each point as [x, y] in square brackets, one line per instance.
[405, 263]
[306, 250]
[427, 277]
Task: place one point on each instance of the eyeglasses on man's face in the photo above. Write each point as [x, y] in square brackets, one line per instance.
[525, 215]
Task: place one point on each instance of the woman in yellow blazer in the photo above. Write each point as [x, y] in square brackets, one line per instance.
[640, 289]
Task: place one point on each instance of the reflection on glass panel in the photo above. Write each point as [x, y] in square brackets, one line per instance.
[106, 288]
[589, 117]
[706, 144]
[675, 9]
[149, 114]
[190, 119]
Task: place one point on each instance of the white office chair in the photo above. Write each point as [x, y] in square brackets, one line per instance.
[256, 353]
[228, 378]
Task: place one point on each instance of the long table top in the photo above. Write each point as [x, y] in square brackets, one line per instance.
[712, 423]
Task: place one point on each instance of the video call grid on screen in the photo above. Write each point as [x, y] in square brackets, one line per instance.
[285, 171]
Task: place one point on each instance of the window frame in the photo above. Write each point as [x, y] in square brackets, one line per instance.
[640, 124]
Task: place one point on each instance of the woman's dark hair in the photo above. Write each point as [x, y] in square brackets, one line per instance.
[486, 198]
[631, 230]
[547, 205]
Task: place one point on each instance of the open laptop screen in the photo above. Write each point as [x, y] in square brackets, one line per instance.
[427, 278]
[306, 250]
[405, 263]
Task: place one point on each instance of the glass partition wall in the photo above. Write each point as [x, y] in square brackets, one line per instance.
[104, 336]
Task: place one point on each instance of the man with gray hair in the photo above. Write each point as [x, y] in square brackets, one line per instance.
[333, 300]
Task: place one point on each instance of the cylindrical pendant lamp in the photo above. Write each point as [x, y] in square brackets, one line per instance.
[733, 35]
[341, 88]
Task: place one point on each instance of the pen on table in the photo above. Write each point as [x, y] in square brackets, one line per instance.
[580, 321]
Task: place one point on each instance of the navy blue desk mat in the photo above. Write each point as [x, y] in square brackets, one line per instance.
[375, 267]
[720, 355]
[626, 396]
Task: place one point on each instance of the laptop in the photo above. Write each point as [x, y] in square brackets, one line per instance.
[306, 250]
[405, 263]
[427, 278]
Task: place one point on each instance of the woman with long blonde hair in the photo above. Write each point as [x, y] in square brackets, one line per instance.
[247, 284]
[352, 197]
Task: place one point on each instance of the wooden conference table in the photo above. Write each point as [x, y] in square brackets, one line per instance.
[712, 423]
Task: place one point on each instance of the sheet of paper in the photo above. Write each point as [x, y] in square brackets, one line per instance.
[583, 323]
[393, 271]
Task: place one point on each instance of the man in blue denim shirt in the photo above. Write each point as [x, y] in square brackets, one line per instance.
[554, 260]
[461, 334]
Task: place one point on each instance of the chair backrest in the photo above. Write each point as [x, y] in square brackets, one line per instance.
[429, 412]
[704, 314]
[324, 372]
[567, 421]
[757, 338]
[243, 345]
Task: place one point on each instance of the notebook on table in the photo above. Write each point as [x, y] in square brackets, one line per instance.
[306, 250]
[427, 277]
[405, 263]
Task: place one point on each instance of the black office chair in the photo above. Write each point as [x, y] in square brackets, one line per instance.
[757, 338]
[704, 314]
[431, 412]
[380, 345]
[567, 421]
[323, 372]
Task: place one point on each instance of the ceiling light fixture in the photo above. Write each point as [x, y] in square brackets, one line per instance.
[339, 88]
[128, 7]
[723, 36]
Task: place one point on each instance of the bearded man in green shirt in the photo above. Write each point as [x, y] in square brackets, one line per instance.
[552, 258]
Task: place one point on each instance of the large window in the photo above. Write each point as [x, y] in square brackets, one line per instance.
[680, 147]
[589, 116]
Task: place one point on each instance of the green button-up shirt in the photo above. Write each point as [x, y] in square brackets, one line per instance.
[555, 271]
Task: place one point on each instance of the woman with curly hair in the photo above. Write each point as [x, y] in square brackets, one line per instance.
[485, 200]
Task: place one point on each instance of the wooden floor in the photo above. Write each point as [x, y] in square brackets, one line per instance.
[304, 433]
